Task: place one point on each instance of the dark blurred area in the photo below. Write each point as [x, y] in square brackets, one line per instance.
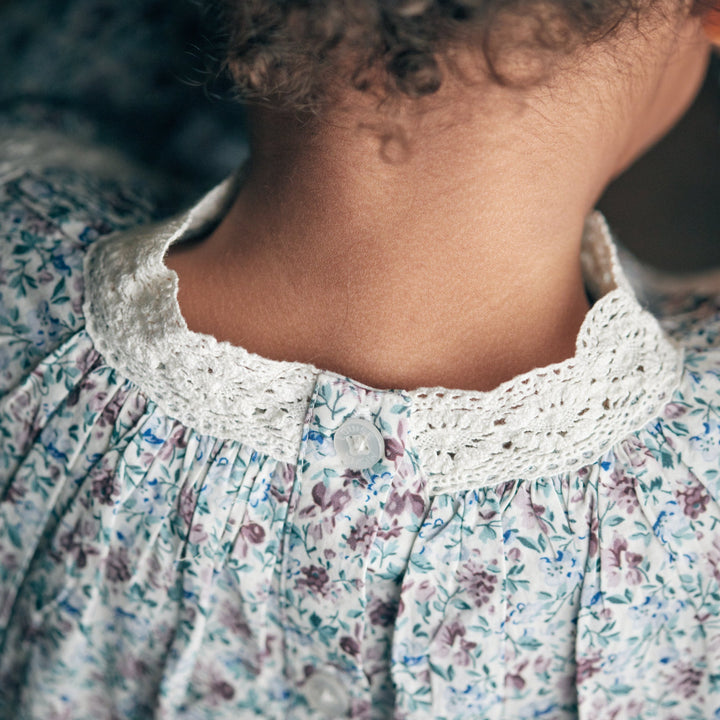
[666, 208]
[140, 75]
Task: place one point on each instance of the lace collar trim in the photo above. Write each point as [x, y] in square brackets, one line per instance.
[551, 420]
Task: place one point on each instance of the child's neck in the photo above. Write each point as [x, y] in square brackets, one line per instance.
[455, 262]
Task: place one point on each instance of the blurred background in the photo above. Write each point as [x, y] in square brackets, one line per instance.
[141, 76]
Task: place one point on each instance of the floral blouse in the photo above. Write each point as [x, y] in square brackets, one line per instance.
[188, 530]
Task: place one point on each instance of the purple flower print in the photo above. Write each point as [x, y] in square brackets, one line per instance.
[250, 534]
[253, 533]
[393, 448]
[132, 668]
[45, 276]
[350, 645]
[714, 558]
[587, 667]
[449, 633]
[363, 709]
[213, 685]
[354, 477]
[542, 665]
[530, 514]
[330, 505]
[635, 709]
[477, 581]
[112, 410]
[515, 679]
[186, 504]
[623, 491]
[593, 541]
[72, 542]
[283, 479]
[176, 440]
[336, 501]
[161, 577]
[117, 565]
[602, 710]
[105, 486]
[397, 503]
[88, 361]
[674, 410]
[419, 594]
[382, 613]
[96, 400]
[391, 532]
[14, 493]
[363, 534]
[76, 301]
[316, 579]
[693, 500]
[233, 619]
[451, 639]
[65, 713]
[163, 448]
[425, 591]
[223, 689]
[197, 534]
[686, 679]
[623, 565]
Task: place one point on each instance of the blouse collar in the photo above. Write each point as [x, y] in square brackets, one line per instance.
[551, 420]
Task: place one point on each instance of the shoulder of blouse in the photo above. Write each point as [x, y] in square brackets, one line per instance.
[57, 196]
[687, 305]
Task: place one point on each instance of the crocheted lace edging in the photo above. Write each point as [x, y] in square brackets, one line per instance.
[548, 421]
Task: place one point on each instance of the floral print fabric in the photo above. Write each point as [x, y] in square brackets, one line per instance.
[148, 570]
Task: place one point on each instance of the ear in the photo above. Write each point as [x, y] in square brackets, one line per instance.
[711, 23]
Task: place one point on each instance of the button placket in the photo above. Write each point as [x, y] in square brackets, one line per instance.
[343, 475]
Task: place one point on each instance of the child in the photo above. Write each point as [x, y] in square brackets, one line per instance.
[215, 500]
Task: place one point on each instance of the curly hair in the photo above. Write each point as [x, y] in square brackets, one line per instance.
[292, 52]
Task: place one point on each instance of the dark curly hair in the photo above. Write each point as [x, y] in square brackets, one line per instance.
[293, 52]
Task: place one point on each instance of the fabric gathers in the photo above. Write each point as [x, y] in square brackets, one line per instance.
[188, 530]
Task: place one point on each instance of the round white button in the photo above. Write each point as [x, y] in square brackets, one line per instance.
[359, 444]
[325, 694]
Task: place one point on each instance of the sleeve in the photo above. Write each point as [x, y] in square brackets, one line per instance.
[57, 195]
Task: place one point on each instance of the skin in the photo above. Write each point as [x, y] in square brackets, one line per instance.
[436, 242]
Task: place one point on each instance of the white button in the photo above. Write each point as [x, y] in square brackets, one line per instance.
[359, 444]
[325, 694]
